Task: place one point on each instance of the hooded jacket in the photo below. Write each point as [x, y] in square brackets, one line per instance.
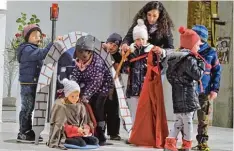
[184, 70]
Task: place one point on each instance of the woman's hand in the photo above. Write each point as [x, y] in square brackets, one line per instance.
[157, 50]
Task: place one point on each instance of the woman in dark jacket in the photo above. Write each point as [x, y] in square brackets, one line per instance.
[158, 23]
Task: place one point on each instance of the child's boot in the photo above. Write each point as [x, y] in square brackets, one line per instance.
[186, 146]
[170, 144]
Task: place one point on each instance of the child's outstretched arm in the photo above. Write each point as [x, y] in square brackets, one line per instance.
[32, 53]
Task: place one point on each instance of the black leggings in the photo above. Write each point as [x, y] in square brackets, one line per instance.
[112, 115]
[97, 103]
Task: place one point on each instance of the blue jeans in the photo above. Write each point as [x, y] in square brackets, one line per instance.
[28, 93]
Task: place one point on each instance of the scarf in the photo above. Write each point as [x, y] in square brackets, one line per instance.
[152, 28]
[203, 47]
[83, 65]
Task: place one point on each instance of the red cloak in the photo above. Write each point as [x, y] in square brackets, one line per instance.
[150, 126]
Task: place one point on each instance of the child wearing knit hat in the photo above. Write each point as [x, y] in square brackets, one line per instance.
[112, 45]
[30, 58]
[76, 117]
[136, 64]
[210, 82]
[95, 79]
[185, 69]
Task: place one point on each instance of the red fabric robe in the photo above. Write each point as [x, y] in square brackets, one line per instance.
[150, 127]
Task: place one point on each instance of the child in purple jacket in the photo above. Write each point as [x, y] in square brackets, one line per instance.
[95, 80]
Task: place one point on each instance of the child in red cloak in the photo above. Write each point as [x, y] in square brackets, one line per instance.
[145, 91]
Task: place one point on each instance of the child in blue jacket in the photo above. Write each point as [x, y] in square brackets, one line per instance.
[30, 58]
[209, 86]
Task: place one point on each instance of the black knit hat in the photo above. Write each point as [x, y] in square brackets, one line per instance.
[115, 38]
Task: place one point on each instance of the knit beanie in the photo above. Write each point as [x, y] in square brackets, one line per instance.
[140, 30]
[70, 86]
[115, 38]
[188, 38]
[202, 31]
[29, 29]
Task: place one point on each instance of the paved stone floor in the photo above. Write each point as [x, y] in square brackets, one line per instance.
[221, 139]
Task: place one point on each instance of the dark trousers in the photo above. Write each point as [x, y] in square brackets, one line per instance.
[203, 119]
[112, 114]
[28, 94]
[82, 141]
[97, 103]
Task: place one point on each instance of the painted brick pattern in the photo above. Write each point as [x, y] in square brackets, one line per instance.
[50, 61]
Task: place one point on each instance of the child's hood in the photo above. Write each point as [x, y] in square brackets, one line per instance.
[176, 57]
[26, 46]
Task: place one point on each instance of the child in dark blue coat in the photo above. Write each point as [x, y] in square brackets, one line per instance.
[30, 58]
[210, 84]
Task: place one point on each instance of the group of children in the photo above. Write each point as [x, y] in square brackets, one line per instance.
[194, 68]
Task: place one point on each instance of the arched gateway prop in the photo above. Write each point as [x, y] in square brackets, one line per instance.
[44, 81]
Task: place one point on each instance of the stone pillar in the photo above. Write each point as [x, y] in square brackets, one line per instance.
[3, 7]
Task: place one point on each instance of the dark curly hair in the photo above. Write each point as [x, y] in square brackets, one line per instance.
[164, 22]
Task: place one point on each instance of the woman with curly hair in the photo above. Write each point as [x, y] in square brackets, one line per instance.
[151, 26]
[158, 23]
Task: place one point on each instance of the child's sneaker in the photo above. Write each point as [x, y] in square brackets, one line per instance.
[28, 137]
[205, 147]
[201, 147]
[25, 138]
[115, 137]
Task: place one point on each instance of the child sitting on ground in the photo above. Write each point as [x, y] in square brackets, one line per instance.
[71, 116]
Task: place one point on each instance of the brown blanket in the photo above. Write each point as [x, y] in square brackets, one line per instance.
[63, 113]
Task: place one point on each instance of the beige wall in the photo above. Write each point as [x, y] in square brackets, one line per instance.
[2, 48]
[223, 106]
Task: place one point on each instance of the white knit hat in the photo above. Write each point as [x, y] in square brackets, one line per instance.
[140, 30]
[70, 86]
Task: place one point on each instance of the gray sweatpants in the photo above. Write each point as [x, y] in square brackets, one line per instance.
[184, 122]
[132, 105]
